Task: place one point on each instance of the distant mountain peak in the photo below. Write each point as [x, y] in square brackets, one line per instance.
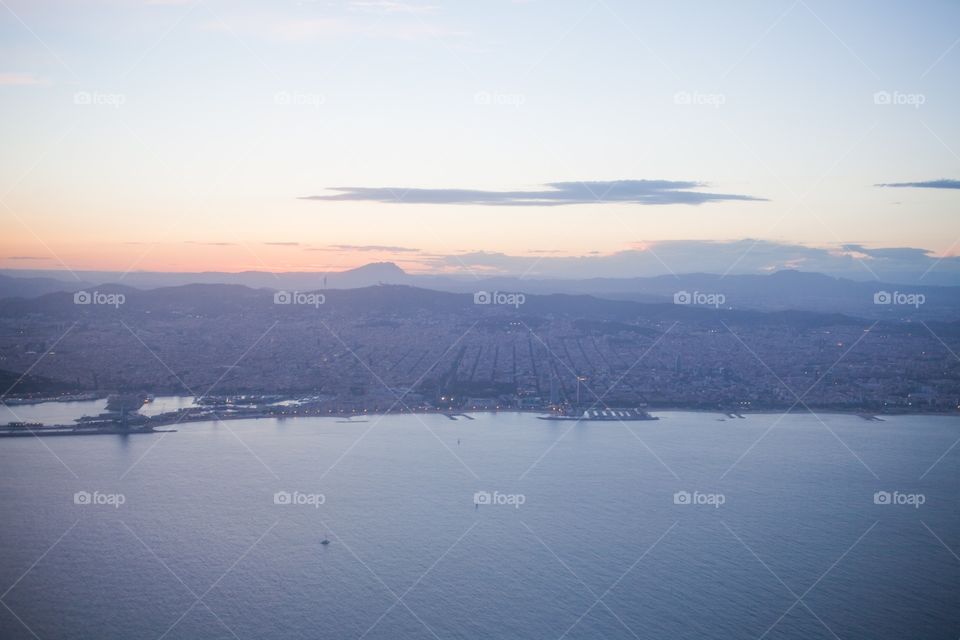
[388, 268]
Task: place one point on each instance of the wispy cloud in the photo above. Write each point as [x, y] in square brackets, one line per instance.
[553, 194]
[390, 6]
[14, 79]
[282, 244]
[942, 183]
[747, 256]
[377, 21]
[27, 258]
[368, 247]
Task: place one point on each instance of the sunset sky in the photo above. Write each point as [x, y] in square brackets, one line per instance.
[207, 135]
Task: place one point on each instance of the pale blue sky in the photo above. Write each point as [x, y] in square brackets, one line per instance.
[208, 121]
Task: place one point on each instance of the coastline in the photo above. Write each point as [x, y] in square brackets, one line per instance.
[157, 423]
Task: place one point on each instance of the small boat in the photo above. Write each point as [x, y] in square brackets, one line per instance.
[325, 541]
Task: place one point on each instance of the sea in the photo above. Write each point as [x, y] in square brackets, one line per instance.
[494, 525]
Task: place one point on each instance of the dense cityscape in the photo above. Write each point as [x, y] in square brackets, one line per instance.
[365, 352]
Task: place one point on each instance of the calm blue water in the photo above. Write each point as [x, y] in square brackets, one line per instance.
[51, 413]
[598, 520]
[163, 404]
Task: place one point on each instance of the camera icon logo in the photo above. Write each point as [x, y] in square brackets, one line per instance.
[482, 497]
[82, 97]
[882, 297]
[282, 297]
[682, 97]
[681, 497]
[82, 497]
[82, 297]
[282, 497]
[882, 497]
[882, 97]
[482, 297]
[682, 297]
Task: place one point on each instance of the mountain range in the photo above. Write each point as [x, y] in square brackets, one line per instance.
[778, 291]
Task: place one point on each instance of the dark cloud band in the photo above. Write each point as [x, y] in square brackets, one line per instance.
[942, 183]
[646, 192]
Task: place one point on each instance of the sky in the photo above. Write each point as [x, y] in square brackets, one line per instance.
[531, 137]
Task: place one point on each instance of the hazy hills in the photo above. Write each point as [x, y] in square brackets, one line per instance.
[388, 303]
[779, 291]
